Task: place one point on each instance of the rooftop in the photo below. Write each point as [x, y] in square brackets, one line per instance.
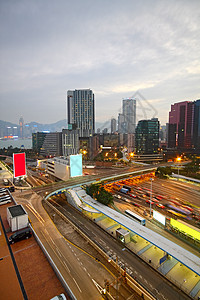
[185, 257]
[17, 210]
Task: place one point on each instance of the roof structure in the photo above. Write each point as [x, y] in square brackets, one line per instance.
[17, 210]
[185, 257]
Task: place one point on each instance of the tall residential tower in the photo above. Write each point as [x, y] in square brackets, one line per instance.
[127, 120]
[81, 115]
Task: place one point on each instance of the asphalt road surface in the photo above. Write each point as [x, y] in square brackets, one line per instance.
[151, 279]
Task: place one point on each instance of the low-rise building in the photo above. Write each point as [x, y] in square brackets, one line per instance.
[17, 217]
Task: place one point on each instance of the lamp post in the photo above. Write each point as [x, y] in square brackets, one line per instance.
[84, 154]
[151, 179]
[178, 160]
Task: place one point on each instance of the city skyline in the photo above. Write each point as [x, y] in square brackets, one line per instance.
[115, 49]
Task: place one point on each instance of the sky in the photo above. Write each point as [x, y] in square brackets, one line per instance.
[146, 49]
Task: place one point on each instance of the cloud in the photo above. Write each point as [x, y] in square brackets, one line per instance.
[113, 47]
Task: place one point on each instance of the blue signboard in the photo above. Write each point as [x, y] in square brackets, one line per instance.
[76, 166]
[163, 259]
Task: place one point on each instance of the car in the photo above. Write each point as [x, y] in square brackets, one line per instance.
[155, 200]
[160, 205]
[148, 201]
[22, 234]
[136, 204]
[132, 195]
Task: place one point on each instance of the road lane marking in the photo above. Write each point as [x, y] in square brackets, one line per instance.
[35, 214]
[77, 284]
[58, 252]
[66, 266]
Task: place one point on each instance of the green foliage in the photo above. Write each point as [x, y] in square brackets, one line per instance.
[104, 197]
[93, 190]
[163, 171]
[98, 192]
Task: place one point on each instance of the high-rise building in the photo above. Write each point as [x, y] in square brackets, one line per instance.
[47, 143]
[196, 127]
[129, 112]
[127, 120]
[147, 136]
[70, 142]
[181, 125]
[81, 114]
[121, 124]
[113, 125]
[21, 127]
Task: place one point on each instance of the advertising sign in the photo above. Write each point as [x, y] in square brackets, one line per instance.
[159, 217]
[76, 166]
[19, 164]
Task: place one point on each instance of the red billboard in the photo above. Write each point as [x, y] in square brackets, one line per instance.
[19, 164]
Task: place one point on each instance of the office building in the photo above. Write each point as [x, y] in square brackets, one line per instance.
[127, 119]
[70, 142]
[38, 140]
[59, 167]
[81, 114]
[196, 127]
[181, 126]
[147, 136]
[21, 128]
[113, 125]
[129, 112]
[121, 124]
[47, 143]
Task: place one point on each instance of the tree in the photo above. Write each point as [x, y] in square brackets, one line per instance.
[98, 192]
[104, 197]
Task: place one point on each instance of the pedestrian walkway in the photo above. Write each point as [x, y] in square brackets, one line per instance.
[195, 290]
[167, 265]
[144, 249]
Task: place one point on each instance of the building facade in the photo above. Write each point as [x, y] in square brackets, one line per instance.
[129, 112]
[147, 136]
[81, 111]
[70, 142]
[113, 125]
[183, 124]
[47, 144]
[196, 127]
[127, 119]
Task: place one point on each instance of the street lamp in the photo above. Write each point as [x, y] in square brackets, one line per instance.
[151, 179]
[178, 160]
[84, 154]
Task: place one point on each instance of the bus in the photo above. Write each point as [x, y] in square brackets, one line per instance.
[135, 217]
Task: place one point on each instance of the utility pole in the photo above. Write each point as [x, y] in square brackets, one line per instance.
[151, 179]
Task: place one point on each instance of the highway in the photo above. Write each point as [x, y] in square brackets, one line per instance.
[135, 266]
[67, 260]
[81, 271]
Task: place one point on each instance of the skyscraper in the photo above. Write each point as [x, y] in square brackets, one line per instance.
[196, 130]
[181, 125]
[81, 114]
[147, 136]
[113, 125]
[129, 112]
[121, 124]
[21, 127]
[127, 120]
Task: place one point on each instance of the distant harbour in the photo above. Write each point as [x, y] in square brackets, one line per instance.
[19, 143]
